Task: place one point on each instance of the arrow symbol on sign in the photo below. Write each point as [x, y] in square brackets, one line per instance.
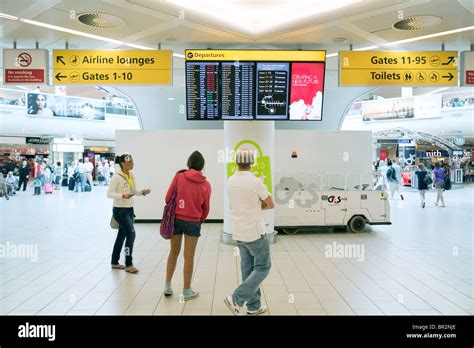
[450, 59]
[450, 76]
[60, 59]
[58, 76]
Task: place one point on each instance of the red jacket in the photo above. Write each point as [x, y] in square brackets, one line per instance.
[193, 195]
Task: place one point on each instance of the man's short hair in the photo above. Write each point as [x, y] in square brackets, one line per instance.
[244, 158]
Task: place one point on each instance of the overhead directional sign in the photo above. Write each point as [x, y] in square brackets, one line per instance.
[112, 67]
[357, 68]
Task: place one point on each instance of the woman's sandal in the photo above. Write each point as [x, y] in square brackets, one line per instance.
[131, 269]
[118, 266]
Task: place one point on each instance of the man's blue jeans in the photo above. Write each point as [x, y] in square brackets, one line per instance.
[255, 263]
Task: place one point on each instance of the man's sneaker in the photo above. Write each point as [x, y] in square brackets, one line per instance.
[259, 311]
[423, 205]
[234, 307]
[189, 294]
[168, 289]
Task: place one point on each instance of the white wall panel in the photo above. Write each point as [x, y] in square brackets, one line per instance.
[159, 154]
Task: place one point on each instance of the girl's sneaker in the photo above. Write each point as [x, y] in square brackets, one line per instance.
[168, 290]
[189, 294]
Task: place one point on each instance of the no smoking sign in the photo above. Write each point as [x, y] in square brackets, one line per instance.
[25, 66]
[23, 60]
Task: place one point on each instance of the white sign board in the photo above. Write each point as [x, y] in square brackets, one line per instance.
[22, 67]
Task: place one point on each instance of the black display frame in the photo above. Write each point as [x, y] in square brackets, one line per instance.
[290, 62]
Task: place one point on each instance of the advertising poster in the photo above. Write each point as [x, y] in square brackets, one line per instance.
[388, 109]
[9, 97]
[120, 106]
[458, 100]
[306, 99]
[42, 104]
[427, 106]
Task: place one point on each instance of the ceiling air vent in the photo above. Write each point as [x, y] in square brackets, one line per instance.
[100, 20]
[417, 23]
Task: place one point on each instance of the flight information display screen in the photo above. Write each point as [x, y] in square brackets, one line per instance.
[254, 85]
[202, 91]
[237, 81]
[272, 91]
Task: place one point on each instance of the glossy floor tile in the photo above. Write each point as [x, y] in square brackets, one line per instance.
[57, 261]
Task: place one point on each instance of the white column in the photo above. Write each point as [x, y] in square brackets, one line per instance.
[258, 136]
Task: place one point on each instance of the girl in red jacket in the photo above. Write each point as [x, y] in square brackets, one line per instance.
[193, 193]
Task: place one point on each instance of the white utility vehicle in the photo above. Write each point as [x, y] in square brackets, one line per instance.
[328, 199]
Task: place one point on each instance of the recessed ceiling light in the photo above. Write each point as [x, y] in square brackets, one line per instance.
[100, 20]
[417, 23]
[339, 40]
[170, 98]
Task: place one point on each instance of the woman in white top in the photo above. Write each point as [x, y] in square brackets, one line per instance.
[382, 176]
[122, 189]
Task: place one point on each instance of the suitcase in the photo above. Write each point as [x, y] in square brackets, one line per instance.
[88, 188]
[64, 182]
[72, 184]
[48, 188]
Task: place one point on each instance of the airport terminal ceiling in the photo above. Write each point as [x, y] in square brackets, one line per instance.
[177, 25]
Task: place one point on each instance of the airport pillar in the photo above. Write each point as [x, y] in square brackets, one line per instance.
[258, 136]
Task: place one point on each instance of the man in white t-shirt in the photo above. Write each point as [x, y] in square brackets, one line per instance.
[89, 167]
[248, 196]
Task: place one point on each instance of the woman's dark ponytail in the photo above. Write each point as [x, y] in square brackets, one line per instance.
[117, 159]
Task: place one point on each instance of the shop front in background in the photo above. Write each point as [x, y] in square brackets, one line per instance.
[12, 156]
[98, 155]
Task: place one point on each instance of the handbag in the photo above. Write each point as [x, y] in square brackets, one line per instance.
[169, 216]
[427, 180]
[114, 223]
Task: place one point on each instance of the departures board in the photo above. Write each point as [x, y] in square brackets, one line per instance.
[254, 85]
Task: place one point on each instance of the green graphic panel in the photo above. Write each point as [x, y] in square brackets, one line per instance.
[261, 167]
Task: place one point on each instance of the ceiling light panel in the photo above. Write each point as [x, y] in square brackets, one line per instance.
[257, 17]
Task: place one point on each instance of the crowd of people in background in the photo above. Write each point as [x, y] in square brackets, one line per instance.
[387, 175]
[43, 176]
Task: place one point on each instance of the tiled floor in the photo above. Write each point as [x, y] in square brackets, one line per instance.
[422, 264]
